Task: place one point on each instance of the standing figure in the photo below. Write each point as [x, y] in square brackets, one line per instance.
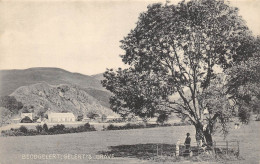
[177, 151]
[187, 145]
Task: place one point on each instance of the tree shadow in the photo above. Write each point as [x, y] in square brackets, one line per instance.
[158, 151]
[141, 151]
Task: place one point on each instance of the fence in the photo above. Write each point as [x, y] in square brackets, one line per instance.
[230, 148]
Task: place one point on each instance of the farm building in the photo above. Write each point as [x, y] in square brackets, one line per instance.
[61, 117]
[30, 115]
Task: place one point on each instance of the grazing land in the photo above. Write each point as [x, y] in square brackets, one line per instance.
[14, 149]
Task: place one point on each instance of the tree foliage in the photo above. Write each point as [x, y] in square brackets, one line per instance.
[92, 115]
[10, 102]
[5, 116]
[244, 86]
[174, 53]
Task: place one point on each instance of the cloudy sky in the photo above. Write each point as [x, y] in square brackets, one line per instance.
[79, 36]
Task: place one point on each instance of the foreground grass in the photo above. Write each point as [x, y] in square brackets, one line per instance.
[91, 143]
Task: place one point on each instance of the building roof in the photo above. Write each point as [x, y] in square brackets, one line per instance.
[61, 115]
[26, 113]
[14, 119]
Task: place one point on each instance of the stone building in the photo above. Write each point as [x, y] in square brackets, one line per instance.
[61, 117]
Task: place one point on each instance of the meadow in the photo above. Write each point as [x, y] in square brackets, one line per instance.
[74, 147]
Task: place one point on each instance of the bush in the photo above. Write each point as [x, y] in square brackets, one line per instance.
[181, 124]
[7, 133]
[127, 126]
[57, 129]
[32, 132]
[84, 128]
[162, 118]
[116, 120]
[110, 127]
[35, 119]
[87, 126]
[45, 127]
[80, 117]
[133, 126]
[39, 128]
[43, 133]
[26, 119]
[23, 129]
[92, 115]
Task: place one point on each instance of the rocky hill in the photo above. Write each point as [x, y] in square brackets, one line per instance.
[10, 80]
[59, 98]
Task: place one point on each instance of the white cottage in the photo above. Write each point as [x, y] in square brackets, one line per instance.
[30, 115]
[61, 117]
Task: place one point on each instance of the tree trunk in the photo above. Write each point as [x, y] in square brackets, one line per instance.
[203, 134]
[208, 137]
[199, 133]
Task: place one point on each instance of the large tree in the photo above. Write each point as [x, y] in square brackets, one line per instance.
[174, 53]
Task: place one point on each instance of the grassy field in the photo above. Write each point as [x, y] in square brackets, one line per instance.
[15, 149]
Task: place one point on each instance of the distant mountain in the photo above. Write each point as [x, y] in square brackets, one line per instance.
[10, 80]
[59, 98]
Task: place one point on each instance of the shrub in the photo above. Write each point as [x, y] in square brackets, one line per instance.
[44, 133]
[7, 133]
[32, 132]
[39, 128]
[23, 129]
[133, 126]
[18, 133]
[80, 117]
[57, 129]
[110, 127]
[181, 124]
[86, 125]
[84, 128]
[92, 115]
[45, 127]
[116, 120]
[35, 118]
[162, 118]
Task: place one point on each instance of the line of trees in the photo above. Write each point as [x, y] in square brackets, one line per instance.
[45, 130]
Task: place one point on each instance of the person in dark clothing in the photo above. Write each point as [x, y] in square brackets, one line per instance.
[187, 145]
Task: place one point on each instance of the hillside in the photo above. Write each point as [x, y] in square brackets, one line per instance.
[10, 80]
[98, 76]
[58, 98]
[101, 96]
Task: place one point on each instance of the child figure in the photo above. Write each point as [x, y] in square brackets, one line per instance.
[177, 152]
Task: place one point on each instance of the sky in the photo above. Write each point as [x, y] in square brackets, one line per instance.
[78, 36]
